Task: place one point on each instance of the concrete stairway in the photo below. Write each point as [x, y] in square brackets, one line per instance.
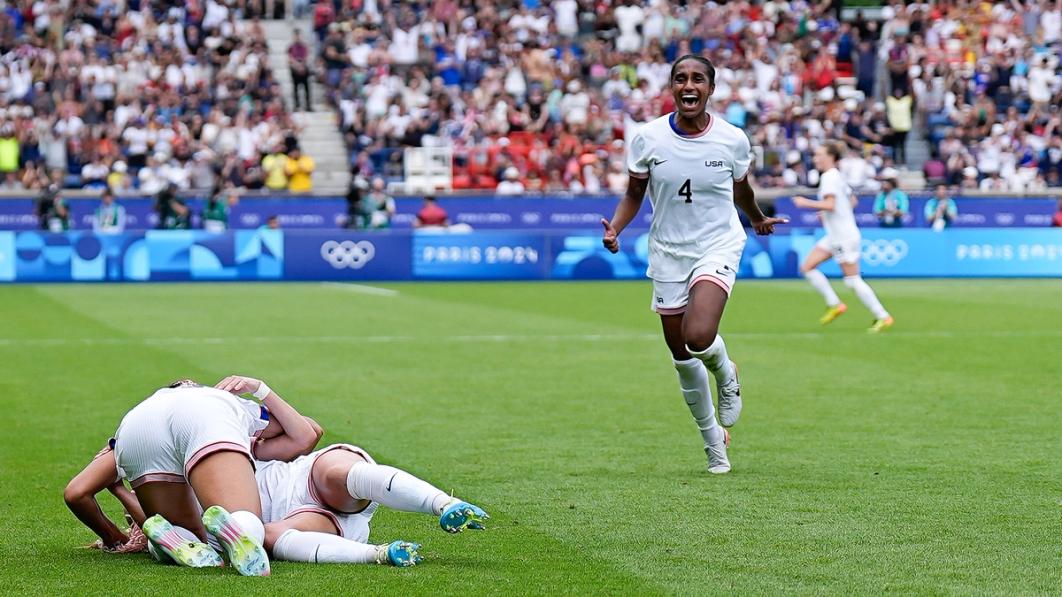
[320, 137]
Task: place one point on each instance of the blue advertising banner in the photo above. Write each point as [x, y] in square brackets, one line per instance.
[346, 256]
[480, 256]
[518, 255]
[507, 214]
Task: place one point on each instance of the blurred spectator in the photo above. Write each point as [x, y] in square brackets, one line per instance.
[110, 216]
[118, 180]
[299, 169]
[1056, 220]
[275, 166]
[431, 215]
[899, 108]
[9, 150]
[511, 185]
[272, 223]
[219, 203]
[172, 211]
[298, 62]
[940, 210]
[891, 204]
[52, 210]
[377, 207]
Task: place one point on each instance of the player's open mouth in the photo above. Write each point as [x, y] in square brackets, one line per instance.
[689, 100]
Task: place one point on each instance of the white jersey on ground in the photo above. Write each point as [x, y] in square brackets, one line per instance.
[691, 188]
[286, 489]
[839, 223]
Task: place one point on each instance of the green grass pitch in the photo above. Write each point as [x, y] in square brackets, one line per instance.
[927, 460]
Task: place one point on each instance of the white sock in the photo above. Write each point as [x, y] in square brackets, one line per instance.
[322, 548]
[819, 282]
[717, 360]
[693, 378]
[395, 488]
[866, 294]
[251, 524]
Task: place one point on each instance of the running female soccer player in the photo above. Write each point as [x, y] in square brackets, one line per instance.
[696, 168]
[842, 241]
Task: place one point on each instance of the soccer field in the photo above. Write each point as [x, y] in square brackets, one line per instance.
[925, 460]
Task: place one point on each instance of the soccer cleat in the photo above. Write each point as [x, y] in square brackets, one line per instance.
[833, 313]
[166, 539]
[880, 325]
[243, 552]
[459, 515]
[718, 463]
[729, 400]
[402, 554]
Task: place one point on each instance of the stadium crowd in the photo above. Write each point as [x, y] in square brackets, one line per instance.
[139, 95]
[538, 95]
[531, 95]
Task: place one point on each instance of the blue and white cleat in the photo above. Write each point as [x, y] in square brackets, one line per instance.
[182, 550]
[403, 554]
[243, 551]
[461, 515]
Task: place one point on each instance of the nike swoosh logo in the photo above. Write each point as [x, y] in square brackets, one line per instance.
[658, 162]
[725, 271]
[391, 481]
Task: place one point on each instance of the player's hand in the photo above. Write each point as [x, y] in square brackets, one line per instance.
[611, 238]
[766, 225]
[238, 384]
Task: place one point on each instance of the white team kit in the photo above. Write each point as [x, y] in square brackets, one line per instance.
[695, 234]
[164, 436]
[286, 489]
[842, 238]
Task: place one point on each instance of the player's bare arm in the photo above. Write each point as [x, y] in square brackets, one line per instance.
[745, 198]
[625, 212]
[827, 203]
[297, 437]
[80, 497]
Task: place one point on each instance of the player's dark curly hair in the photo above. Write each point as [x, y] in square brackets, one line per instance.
[707, 65]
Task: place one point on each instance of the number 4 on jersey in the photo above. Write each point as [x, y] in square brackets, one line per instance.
[686, 191]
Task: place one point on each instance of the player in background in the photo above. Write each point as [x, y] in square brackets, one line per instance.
[188, 447]
[842, 241]
[695, 167]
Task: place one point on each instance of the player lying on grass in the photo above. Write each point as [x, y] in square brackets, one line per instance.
[189, 444]
[316, 509]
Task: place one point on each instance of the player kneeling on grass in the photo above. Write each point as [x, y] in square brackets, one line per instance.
[187, 448]
[316, 509]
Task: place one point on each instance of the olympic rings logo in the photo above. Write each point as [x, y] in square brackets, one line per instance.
[348, 253]
[884, 252]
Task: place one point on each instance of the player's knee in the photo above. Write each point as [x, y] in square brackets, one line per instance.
[73, 493]
[805, 269]
[700, 340]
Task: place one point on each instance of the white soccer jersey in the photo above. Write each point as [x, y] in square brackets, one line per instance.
[691, 188]
[839, 223]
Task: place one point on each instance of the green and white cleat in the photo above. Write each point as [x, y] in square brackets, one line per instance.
[193, 554]
[243, 552]
[459, 515]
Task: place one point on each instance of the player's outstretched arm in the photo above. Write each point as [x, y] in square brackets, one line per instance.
[80, 497]
[625, 212]
[827, 203]
[745, 198]
[289, 434]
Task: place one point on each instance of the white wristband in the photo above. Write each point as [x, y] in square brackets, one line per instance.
[262, 392]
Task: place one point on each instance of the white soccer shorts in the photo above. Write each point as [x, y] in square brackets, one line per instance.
[843, 250]
[671, 298]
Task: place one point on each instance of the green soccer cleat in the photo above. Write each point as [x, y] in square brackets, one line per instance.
[243, 552]
[461, 515]
[833, 313]
[880, 325]
[193, 554]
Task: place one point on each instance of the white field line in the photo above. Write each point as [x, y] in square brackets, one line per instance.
[360, 288]
[511, 338]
